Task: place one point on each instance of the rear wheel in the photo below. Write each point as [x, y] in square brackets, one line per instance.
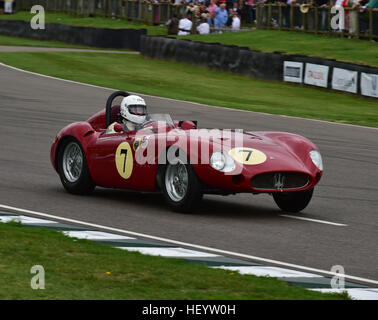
[73, 168]
[181, 186]
[293, 201]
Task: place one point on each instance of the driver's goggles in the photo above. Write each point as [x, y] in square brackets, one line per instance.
[138, 110]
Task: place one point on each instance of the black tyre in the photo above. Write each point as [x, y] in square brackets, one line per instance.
[181, 187]
[73, 168]
[293, 201]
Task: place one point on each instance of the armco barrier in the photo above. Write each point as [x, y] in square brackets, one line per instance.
[87, 36]
[215, 56]
[242, 60]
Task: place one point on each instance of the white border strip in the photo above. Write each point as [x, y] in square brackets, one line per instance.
[176, 100]
[190, 245]
[314, 220]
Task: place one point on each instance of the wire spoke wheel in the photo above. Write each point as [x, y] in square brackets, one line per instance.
[72, 162]
[176, 181]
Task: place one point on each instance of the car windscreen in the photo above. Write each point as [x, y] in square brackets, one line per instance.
[159, 117]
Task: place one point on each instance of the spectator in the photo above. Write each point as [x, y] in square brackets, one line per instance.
[221, 16]
[185, 26]
[251, 11]
[235, 22]
[212, 8]
[323, 12]
[8, 6]
[353, 22]
[229, 20]
[204, 27]
[373, 4]
[229, 4]
[338, 5]
[172, 24]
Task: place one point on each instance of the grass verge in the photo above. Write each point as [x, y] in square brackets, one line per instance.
[81, 269]
[291, 42]
[178, 81]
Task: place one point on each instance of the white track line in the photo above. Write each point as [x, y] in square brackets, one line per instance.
[95, 235]
[190, 245]
[170, 252]
[354, 293]
[274, 272]
[314, 220]
[176, 100]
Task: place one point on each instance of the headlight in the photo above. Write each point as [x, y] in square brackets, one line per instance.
[222, 162]
[316, 159]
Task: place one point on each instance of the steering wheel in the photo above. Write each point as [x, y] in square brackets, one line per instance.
[109, 102]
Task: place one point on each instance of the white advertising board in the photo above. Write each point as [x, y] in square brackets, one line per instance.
[293, 71]
[344, 80]
[369, 84]
[316, 75]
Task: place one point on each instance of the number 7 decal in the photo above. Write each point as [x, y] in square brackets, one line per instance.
[124, 160]
[247, 151]
[247, 156]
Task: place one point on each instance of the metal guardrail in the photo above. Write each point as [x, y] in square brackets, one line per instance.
[357, 24]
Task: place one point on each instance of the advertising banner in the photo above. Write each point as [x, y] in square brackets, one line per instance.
[316, 74]
[344, 80]
[293, 71]
[369, 84]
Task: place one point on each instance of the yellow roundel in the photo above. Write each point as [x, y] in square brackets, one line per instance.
[124, 160]
[247, 155]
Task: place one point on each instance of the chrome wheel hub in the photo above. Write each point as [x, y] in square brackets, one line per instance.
[72, 162]
[176, 181]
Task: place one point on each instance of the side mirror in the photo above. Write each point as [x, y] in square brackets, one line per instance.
[118, 127]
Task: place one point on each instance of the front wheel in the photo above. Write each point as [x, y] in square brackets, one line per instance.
[181, 186]
[293, 201]
[73, 168]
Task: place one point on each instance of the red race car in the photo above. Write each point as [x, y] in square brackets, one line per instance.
[184, 162]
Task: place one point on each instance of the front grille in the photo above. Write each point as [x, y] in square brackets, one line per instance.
[280, 181]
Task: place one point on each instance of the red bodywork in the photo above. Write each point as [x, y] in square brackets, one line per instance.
[284, 152]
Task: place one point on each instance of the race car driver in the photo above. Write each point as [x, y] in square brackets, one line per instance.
[133, 113]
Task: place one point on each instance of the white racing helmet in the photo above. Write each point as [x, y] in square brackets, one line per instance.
[133, 109]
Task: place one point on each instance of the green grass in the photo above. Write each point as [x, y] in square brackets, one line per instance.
[292, 42]
[97, 22]
[79, 269]
[178, 81]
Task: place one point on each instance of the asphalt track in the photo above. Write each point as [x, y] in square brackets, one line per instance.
[34, 109]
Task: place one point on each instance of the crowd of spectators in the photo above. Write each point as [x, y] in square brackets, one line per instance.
[207, 14]
[219, 14]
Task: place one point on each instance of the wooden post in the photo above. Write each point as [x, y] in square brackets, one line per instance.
[358, 23]
[316, 24]
[291, 17]
[371, 24]
[126, 9]
[139, 10]
[329, 21]
[159, 9]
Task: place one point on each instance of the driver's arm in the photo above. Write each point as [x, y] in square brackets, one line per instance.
[110, 129]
